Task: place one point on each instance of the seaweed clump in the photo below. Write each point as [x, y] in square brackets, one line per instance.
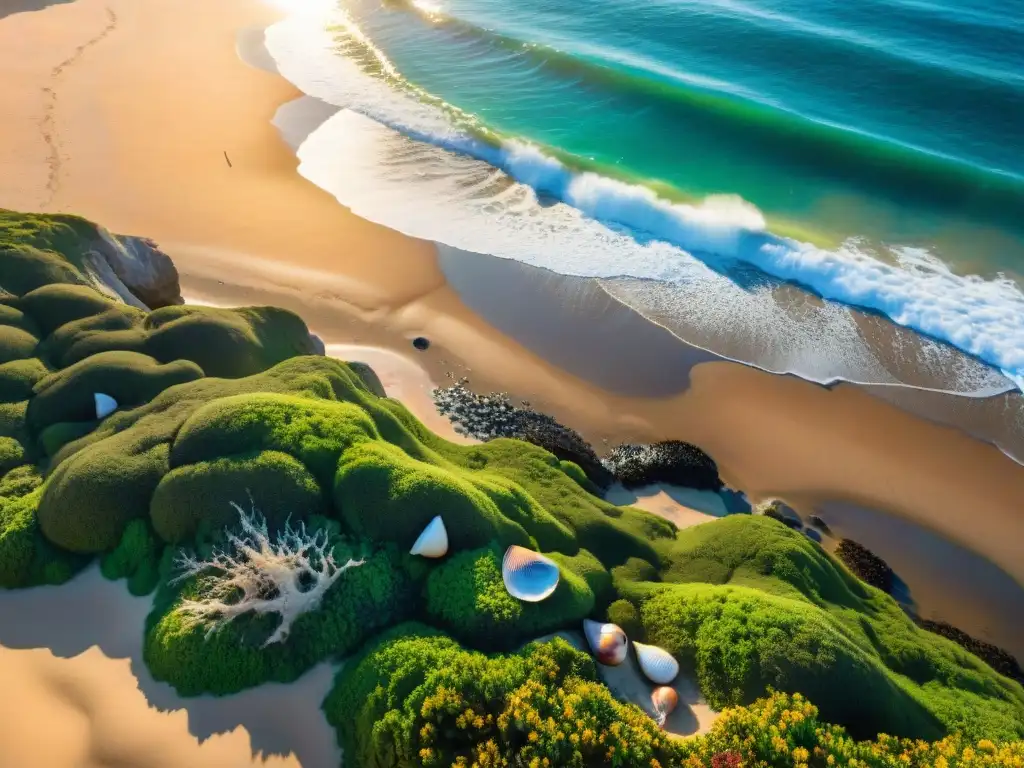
[487, 417]
[868, 566]
[670, 461]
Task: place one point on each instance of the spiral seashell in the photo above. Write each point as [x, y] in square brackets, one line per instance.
[664, 700]
[656, 663]
[433, 541]
[607, 642]
[528, 575]
[105, 405]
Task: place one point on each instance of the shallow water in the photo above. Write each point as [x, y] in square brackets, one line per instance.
[699, 150]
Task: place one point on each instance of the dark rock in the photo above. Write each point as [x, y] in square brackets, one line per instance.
[812, 534]
[779, 510]
[369, 377]
[818, 523]
[318, 344]
[489, 416]
[421, 343]
[1001, 661]
[865, 564]
[672, 461]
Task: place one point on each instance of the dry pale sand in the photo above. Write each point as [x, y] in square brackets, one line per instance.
[77, 694]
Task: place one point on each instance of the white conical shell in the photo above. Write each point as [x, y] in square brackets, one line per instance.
[105, 405]
[528, 575]
[656, 663]
[607, 642]
[433, 542]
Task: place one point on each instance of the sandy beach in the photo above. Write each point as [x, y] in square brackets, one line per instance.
[140, 115]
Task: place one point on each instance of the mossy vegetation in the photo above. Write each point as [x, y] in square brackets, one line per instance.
[226, 406]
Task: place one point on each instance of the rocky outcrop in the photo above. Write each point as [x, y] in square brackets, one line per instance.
[134, 269]
[779, 510]
[671, 461]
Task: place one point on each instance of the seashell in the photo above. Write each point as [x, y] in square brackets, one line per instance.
[528, 575]
[105, 405]
[656, 663]
[664, 700]
[607, 642]
[433, 542]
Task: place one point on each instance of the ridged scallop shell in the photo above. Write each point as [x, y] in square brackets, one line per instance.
[607, 642]
[528, 575]
[433, 542]
[105, 405]
[656, 663]
[664, 700]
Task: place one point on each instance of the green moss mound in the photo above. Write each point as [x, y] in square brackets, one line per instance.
[756, 606]
[364, 600]
[466, 596]
[202, 493]
[416, 698]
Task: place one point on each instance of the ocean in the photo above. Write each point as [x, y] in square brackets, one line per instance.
[823, 188]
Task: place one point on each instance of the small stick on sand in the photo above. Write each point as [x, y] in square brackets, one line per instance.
[228, 159]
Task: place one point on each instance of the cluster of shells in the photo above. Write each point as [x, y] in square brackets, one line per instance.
[532, 577]
[609, 644]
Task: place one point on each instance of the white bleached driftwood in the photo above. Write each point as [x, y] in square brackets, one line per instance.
[288, 576]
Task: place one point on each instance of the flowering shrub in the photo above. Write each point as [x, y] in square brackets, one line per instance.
[783, 731]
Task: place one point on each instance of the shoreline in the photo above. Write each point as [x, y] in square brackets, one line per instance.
[149, 160]
[142, 154]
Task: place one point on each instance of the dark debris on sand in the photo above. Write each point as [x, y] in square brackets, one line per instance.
[1001, 661]
[865, 564]
[486, 417]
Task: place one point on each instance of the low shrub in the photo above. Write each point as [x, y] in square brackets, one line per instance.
[416, 699]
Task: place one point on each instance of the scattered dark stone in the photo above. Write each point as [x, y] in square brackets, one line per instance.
[812, 534]
[486, 417]
[865, 564]
[782, 512]
[421, 342]
[736, 502]
[818, 523]
[1001, 661]
[672, 461]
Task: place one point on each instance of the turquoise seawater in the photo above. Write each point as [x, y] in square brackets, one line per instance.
[868, 152]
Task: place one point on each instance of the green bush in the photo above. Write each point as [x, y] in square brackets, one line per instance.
[202, 493]
[136, 558]
[417, 699]
[625, 614]
[467, 596]
[362, 601]
[782, 731]
[755, 605]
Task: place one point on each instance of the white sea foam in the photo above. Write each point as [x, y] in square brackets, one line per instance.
[435, 187]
